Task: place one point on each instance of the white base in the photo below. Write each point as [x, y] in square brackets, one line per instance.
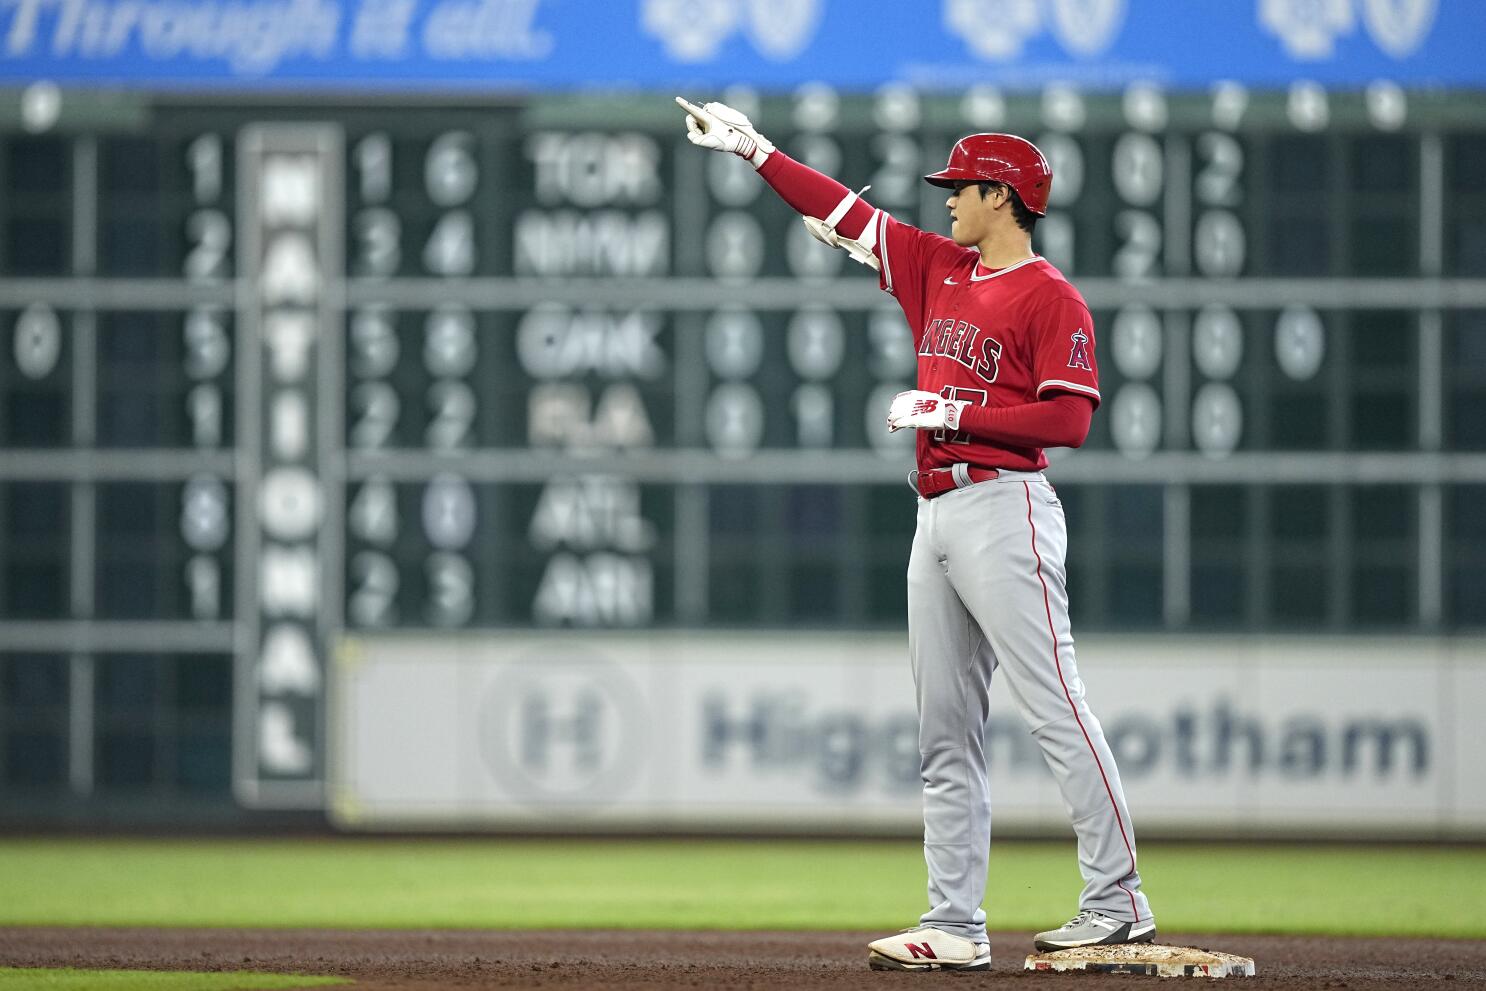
[1149, 959]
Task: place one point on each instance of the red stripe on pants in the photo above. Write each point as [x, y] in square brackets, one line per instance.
[1047, 606]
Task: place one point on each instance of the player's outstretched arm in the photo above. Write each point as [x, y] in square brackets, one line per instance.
[834, 214]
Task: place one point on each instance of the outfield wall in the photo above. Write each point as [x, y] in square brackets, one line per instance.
[1346, 737]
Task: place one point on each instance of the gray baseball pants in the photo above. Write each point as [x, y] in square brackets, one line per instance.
[986, 592]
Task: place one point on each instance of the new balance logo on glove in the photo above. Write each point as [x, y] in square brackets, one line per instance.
[922, 410]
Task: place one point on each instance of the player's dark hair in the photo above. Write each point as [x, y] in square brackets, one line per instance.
[1025, 219]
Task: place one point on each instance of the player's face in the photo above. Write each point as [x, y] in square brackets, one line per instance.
[971, 214]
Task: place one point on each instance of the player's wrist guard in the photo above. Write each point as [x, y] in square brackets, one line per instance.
[952, 410]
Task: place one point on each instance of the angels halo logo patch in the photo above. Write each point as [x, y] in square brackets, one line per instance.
[1078, 357]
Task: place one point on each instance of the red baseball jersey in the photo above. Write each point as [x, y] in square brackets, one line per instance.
[1001, 337]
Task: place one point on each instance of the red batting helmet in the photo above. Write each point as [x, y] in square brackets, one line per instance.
[999, 158]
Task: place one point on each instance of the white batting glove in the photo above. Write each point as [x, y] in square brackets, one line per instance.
[919, 410]
[718, 127]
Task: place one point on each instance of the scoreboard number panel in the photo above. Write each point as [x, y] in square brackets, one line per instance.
[271, 371]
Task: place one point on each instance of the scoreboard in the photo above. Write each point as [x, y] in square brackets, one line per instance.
[274, 370]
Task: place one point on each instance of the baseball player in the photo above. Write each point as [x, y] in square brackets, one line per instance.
[1005, 369]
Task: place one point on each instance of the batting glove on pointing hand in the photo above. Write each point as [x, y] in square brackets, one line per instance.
[718, 127]
[920, 410]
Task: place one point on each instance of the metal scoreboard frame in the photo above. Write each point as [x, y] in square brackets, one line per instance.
[300, 504]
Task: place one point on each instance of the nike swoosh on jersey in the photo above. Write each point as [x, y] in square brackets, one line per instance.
[950, 282]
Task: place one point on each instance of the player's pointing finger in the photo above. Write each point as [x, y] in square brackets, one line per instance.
[692, 109]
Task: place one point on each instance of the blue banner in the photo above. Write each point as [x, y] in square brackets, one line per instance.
[526, 45]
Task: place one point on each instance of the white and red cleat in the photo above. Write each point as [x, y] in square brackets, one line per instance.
[925, 948]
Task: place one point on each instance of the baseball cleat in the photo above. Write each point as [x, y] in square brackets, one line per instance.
[926, 948]
[1095, 929]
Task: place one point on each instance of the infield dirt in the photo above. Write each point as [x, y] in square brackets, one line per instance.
[396, 961]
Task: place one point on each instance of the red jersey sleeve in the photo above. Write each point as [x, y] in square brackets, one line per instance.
[1063, 357]
[910, 259]
[1060, 420]
[812, 194]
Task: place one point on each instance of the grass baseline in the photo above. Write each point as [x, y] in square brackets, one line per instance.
[497, 883]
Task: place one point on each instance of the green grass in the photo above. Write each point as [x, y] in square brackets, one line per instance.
[17, 979]
[764, 884]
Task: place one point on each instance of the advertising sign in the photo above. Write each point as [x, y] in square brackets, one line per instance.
[538, 44]
[818, 733]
